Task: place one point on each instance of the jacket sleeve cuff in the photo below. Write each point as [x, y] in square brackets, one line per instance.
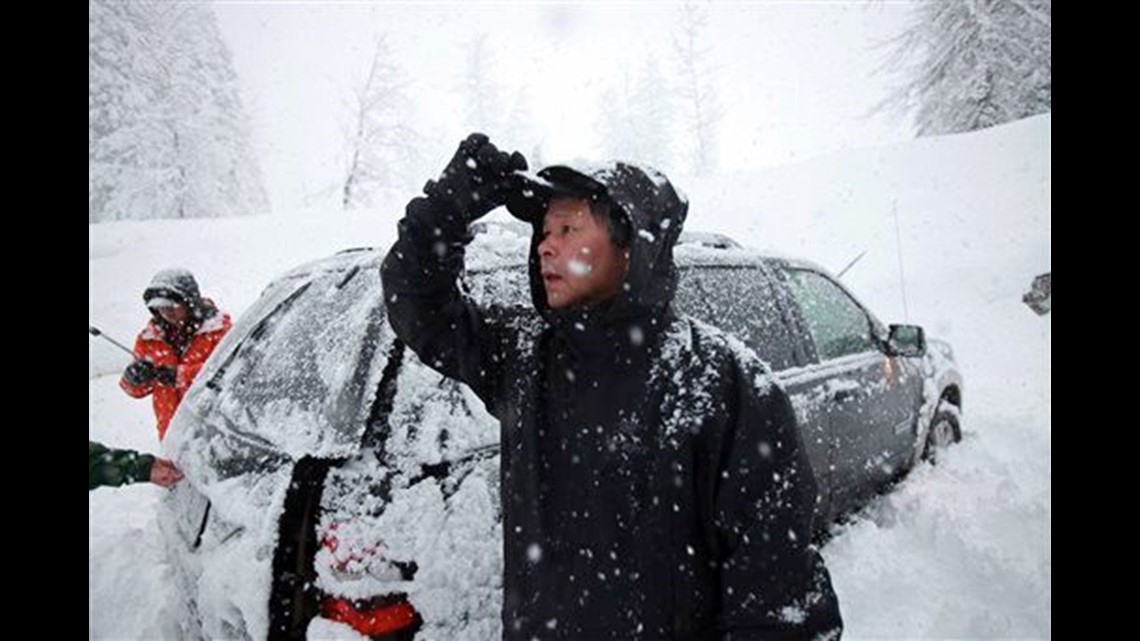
[140, 469]
[135, 391]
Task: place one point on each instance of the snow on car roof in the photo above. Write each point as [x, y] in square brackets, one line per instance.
[505, 244]
[498, 244]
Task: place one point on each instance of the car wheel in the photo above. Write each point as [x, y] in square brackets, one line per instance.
[944, 431]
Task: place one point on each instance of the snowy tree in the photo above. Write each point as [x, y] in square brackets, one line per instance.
[382, 150]
[637, 116]
[480, 92]
[971, 64]
[520, 132]
[502, 112]
[696, 89]
[167, 133]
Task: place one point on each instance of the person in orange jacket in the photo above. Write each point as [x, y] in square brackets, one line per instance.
[183, 331]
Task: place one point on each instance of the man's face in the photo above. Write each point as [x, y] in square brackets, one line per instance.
[580, 264]
[174, 314]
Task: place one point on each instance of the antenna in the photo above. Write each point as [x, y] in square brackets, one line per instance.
[898, 251]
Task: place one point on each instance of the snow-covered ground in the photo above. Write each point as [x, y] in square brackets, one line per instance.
[961, 550]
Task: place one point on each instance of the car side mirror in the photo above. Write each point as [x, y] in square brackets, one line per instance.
[906, 340]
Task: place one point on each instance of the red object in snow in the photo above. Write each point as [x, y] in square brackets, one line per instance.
[373, 620]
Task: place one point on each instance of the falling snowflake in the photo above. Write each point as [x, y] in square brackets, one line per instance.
[579, 268]
[636, 336]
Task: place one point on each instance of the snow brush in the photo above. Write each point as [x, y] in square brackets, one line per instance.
[95, 331]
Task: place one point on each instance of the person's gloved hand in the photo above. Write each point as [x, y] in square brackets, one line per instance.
[166, 375]
[139, 372]
[477, 179]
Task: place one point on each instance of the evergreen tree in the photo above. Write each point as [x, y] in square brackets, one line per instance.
[971, 64]
[167, 134]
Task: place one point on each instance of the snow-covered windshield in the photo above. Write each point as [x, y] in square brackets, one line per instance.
[298, 372]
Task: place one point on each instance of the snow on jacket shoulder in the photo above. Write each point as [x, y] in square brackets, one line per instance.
[151, 345]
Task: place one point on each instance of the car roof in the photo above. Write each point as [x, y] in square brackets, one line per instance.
[505, 244]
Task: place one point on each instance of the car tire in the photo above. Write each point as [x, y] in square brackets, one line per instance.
[944, 431]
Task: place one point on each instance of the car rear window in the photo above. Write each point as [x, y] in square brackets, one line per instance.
[740, 300]
[736, 298]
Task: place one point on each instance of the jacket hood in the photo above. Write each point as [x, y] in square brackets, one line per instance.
[177, 285]
[654, 210]
[172, 285]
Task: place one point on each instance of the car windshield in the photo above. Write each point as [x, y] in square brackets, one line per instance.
[299, 371]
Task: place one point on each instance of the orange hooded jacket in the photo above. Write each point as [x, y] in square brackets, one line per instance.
[151, 346]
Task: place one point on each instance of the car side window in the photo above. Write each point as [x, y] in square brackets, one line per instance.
[835, 321]
[740, 300]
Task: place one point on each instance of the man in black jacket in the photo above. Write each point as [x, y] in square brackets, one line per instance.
[653, 481]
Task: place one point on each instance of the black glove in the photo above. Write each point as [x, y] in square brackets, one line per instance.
[166, 375]
[477, 179]
[139, 372]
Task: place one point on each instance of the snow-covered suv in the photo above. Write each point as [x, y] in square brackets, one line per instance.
[338, 487]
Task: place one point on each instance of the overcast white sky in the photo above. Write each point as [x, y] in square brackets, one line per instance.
[796, 78]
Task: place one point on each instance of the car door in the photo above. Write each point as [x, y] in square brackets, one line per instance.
[293, 382]
[867, 396]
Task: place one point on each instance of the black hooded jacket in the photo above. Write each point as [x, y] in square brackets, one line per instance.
[653, 481]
